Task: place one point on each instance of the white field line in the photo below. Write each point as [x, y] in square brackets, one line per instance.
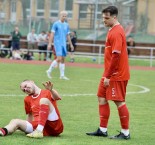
[143, 90]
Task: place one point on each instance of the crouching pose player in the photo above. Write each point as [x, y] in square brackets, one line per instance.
[43, 117]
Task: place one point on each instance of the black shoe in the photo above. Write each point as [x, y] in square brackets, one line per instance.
[120, 136]
[98, 133]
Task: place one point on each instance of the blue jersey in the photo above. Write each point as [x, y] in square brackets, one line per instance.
[61, 30]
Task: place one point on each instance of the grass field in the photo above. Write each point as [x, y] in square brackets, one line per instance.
[79, 108]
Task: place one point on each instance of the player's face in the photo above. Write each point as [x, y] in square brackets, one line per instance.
[28, 87]
[108, 20]
[63, 17]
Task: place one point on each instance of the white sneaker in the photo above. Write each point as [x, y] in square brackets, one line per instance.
[64, 78]
[48, 74]
[35, 134]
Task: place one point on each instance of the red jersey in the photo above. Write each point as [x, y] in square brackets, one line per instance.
[32, 104]
[116, 42]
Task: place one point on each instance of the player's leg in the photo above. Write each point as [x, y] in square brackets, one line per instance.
[120, 92]
[39, 54]
[46, 109]
[104, 112]
[13, 126]
[45, 53]
[53, 65]
[62, 64]
[55, 62]
[124, 120]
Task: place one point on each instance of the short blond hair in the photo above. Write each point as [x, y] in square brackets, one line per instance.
[63, 12]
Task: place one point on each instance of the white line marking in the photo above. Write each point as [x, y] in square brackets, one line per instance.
[144, 90]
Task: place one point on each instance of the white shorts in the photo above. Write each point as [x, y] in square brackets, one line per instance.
[53, 116]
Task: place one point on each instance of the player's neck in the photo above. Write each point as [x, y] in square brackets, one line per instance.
[115, 23]
[37, 93]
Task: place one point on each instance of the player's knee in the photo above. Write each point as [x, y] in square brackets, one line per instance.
[102, 101]
[15, 121]
[44, 101]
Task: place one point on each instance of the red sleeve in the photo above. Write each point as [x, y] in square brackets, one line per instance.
[27, 106]
[113, 65]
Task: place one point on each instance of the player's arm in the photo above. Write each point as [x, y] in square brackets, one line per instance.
[70, 42]
[112, 68]
[51, 37]
[29, 117]
[49, 86]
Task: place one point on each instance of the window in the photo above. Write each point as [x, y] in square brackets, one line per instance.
[69, 7]
[26, 7]
[40, 8]
[54, 8]
[83, 10]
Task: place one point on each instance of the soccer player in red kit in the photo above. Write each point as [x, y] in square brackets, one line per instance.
[115, 77]
[43, 117]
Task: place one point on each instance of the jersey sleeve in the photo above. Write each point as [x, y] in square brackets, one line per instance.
[54, 28]
[47, 94]
[27, 106]
[117, 41]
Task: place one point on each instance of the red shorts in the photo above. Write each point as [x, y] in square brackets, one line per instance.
[116, 91]
[52, 128]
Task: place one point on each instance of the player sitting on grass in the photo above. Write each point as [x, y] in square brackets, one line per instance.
[43, 115]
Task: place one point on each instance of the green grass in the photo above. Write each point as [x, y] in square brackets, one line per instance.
[79, 113]
[89, 59]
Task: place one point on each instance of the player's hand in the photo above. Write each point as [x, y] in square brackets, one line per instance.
[106, 82]
[49, 47]
[72, 47]
[48, 85]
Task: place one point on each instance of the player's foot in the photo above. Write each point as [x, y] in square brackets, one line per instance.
[35, 134]
[48, 74]
[120, 136]
[98, 133]
[2, 132]
[64, 78]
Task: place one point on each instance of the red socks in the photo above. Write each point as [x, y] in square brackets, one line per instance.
[124, 116]
[43, 114]
[104, 112]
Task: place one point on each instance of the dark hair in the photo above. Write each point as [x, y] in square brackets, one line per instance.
[111, 9]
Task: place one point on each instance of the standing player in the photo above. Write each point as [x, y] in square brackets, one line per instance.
[59, 34]
[115, 77]
[43, 117]
[74, 40]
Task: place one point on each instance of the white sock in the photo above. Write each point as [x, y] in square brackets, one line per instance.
[62, 69]
[103, 129]
[40, 128]
[53, 65]
[125, 131]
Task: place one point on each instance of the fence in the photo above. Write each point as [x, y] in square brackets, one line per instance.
[98, 54]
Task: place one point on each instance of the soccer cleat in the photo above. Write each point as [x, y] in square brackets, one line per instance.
[64, 78]
[98, 133]
[35, 134]
[48, 74]
[2, 132]
[120, 136]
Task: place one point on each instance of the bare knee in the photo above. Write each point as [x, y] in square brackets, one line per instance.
[13, 125]
[102, 101]
[119, 103]
[15, 121]
[44, 101]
